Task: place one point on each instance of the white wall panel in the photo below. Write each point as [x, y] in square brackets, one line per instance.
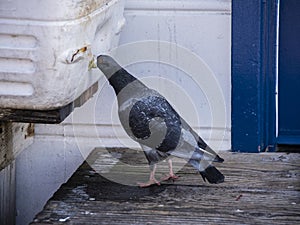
[203, 27]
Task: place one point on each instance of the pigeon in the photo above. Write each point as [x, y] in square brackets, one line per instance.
[149, 119]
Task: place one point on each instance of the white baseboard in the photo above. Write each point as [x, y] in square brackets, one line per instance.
[191, 5]
[105, 135]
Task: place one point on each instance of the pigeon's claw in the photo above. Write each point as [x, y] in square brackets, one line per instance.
[152, 179]
[149, 183]
[170, 177]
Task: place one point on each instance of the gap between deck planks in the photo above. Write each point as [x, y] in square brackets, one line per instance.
[258, 189]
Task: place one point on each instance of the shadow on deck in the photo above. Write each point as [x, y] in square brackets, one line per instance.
[258, 189]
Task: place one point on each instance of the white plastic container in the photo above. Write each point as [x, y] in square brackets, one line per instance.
[46, 47]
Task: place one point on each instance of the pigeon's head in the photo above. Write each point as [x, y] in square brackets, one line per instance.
[107, 65]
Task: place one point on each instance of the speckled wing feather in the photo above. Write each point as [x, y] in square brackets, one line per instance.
[151, 116]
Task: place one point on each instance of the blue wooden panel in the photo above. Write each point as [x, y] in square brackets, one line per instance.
[253, 74]
[289, 72]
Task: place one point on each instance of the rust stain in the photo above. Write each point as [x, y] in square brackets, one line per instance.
[85, 7]
[30, 130]
[83, 49]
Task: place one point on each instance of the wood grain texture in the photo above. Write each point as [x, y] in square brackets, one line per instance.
[8, 194]
[258, 189]
[14, 138]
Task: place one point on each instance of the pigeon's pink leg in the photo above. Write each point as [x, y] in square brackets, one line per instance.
[152, 179]
[171, 175]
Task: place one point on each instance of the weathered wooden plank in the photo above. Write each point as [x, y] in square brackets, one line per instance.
[8, 195]
[14, 137]
[258, 189]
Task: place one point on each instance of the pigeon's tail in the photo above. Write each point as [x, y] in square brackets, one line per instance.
[212, 175]
[218, 159]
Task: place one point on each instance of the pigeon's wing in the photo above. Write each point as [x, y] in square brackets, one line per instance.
[154, 123]
[202, 147]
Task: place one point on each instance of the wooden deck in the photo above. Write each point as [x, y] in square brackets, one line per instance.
[258, 189]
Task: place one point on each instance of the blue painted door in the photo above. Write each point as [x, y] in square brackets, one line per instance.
[253, 77]
[289, 73]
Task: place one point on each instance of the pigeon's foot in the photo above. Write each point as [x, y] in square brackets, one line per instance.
[149, 183]
[152, 179]
[170, 177]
